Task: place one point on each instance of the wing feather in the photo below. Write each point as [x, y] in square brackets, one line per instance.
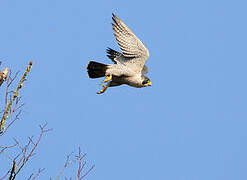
[132, 48]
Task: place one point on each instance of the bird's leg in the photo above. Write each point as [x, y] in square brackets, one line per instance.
[104, 88]
[108, 78]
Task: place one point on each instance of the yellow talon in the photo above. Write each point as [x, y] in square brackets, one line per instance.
[108, 78]
[104, 88]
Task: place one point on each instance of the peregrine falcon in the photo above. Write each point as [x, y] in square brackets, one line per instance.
[129, 66]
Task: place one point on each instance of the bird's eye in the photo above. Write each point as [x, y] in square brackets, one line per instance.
[145, 81]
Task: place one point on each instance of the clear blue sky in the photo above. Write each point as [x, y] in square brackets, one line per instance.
[190, 125]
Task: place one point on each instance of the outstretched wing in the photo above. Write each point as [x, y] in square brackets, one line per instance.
[133, 49]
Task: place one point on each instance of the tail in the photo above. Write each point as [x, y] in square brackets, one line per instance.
[96, 70]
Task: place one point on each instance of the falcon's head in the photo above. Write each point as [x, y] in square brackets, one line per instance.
[146, 82]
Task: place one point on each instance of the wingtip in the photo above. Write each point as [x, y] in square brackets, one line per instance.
[114, 16]
[108, 49]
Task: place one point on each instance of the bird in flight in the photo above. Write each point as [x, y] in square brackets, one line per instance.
[129, 66]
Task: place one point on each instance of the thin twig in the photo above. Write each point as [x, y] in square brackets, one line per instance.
[87, 172]
[82, 165]
[16, 118]
[5, 175]
[38, 173]
[68, 162]
[9, 82]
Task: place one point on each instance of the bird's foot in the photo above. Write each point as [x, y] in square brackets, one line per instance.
[108, 78]
[104, 88]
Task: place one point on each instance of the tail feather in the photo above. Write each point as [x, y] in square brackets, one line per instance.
[96, 70]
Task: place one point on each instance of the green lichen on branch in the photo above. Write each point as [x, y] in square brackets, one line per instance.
[14, 96]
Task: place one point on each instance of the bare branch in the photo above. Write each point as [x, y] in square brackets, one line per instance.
[7, 147]
[25, 157]
[25, 152]
[12, 172]
[16, 118]
[68, 162]
[5, 175]
[87, 172]
[38, 173]
[82, 166]
[9, 82]
[3, 75]
[14, 96]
